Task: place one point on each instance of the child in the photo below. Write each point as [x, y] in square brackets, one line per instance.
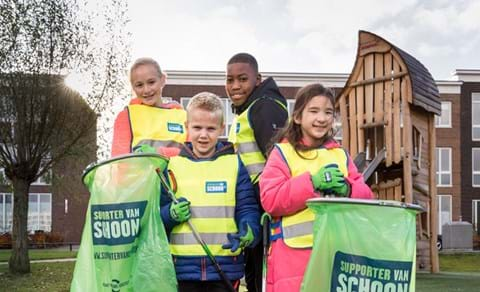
[214, 190]
[148, 120]
[307, 163]
[260, 110]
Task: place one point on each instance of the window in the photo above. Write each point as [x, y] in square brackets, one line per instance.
[445, 119]
[476, 214]
[476, 116]
[6, 209]
[227, 106]
[290, 106]
[45, 179]
[39, 212]
[444, 167]
[444, 209]
[476, 167]
[3, 178]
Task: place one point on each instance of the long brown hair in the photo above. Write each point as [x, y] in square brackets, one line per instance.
[293, 131]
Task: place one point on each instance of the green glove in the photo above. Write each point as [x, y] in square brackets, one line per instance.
[239, 240]
[328, 178]
[144, 148]
[180, 211]
[341, 191]
[247, 239]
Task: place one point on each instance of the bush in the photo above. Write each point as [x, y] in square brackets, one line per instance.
[39, 239]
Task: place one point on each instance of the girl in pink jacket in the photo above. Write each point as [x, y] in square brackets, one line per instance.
[307, 163]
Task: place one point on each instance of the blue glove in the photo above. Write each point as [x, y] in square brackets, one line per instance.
[241, 239]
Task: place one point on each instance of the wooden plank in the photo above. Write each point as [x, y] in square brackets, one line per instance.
[345, 125]
[369, 68]
[353, 123]
[370, 43]
[388, 111]
[360, 116]
[388, 76]
[378, 103]
[408, 88]
[357, 73]
[372, 125]
[396, 116]
[398, 193]
[407, 146]
[433, 194]
[390, 193]
[360, 119]
[397, 58]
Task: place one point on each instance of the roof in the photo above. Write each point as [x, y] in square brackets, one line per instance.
[424, 89]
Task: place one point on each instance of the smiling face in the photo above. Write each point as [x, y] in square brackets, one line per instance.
[241, 81]
[204, 127]
[316, 120]
[147, 83]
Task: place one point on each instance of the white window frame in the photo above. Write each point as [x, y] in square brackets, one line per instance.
[37, 224]
[440, 172]
[445, 115]
[227, 113]
[290, 106]
[4, 212]
[476, 101]
[475, 211]
[439, 211]
[475, 172]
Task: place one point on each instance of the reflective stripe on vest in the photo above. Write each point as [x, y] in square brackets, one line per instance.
[157, 127]
[297, 228]
[210, 187]
[242, 137]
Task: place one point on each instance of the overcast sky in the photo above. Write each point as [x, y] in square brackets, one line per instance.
[317, 36]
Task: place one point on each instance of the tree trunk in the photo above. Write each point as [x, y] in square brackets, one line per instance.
[19, 262]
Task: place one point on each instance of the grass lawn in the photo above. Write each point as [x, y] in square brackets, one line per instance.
[44, 277]
[40, 254]
[460, 272]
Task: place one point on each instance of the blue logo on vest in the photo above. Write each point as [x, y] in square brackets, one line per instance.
[114, 224]
[174, 127]
[237, 129]
[358, 273]
[216, 187]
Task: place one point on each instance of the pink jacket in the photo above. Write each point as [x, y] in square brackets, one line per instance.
[281, 194]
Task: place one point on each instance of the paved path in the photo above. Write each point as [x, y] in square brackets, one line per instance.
[46, 261]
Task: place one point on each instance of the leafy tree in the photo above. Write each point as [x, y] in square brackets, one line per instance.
[41, 120]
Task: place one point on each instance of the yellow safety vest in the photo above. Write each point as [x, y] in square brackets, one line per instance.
[157, 127]
[242, 137]
[210, 187]
[297, 229]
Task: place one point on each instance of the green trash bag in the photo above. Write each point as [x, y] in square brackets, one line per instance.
[362, 246]
[124, 245]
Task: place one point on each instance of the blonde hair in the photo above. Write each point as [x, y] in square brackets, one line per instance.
[207, 101]
[145, 61]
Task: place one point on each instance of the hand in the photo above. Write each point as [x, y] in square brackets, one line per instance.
[341, 191]
[241, 239]
[328, 179]
[144, 148]
[180, 211]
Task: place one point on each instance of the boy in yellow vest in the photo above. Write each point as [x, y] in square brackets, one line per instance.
[260, 111]
[215, 193]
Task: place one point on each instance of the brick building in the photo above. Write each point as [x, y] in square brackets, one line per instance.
[59, 204]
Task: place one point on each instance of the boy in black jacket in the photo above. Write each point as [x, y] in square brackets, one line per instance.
[260, 111]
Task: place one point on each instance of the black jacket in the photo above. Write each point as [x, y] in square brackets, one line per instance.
[266, 116]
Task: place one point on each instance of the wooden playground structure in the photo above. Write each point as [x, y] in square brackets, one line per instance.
[387, 110]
